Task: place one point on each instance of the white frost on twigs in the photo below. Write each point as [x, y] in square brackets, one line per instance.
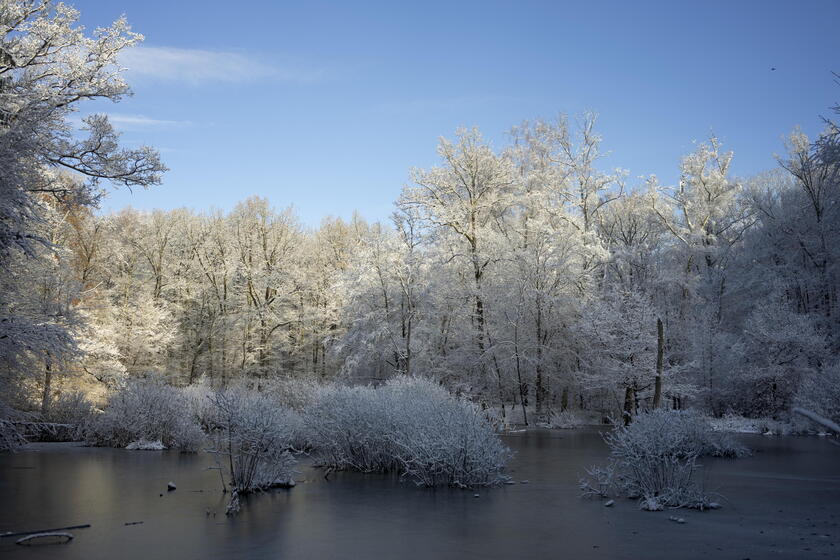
[146, 445]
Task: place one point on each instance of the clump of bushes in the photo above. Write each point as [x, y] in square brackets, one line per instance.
[200, 406]
[11, 437]
[70, 416]
[733, 423]
[566, 420]
[410, 426]
[292, 393]
[253, 436]
[72, 407]
[67, 419]
[654, 460]
[146, 410]
[346, 429]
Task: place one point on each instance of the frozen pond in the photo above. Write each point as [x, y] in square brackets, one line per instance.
[784, 502]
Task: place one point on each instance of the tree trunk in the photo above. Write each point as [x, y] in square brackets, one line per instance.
[481, 336]
[498, 375]
[519, 373]
[539, 389]
[660, 354]
[629, 398]
[45, 400]
[408, 348]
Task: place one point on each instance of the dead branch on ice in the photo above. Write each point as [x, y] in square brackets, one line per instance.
[58, 529]
[45, 538]
[818, 419]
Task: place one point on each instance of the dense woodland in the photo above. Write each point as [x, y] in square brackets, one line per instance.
[515, 274]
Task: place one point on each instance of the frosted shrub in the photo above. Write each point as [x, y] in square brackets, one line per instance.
[566, 420]
[654, 459]
[147, 409]
[253, 438]
[347, 429]
[453, 445]
[296, 424]
[200, 406]
[11, 437]
[294, 396]
[411, 426]
[75, 411]
[733, 423]
[70, 408]
[292, 393]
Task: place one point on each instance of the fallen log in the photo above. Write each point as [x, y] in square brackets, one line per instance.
[43, 424]
[22, 533]
[45, 538]
[818, 419]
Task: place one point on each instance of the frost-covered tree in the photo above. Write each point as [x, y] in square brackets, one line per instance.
[528, 275]
[565, 158]
[265, 242]
[463, 200]
[635, 240]
[781, 346]
[707, 217]
[618, 349]
[213, 265]
[383, 301]
[48, 67]
[811, 224]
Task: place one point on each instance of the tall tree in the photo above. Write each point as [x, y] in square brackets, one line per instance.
[48, 66]
[463, 200]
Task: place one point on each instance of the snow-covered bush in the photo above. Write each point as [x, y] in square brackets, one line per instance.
[294, 396]
[292, 393]
[200, 406]
[654, 459]
[447, 442]
[146, 409]
[411, 426]
[70, 408]
[11, 437]
[820, 393]
[346, 428]
[74, 412]
[736, 424]
[146, 445]
[566, 420]
[253, 437]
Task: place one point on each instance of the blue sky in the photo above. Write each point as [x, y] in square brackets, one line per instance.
[326, 106]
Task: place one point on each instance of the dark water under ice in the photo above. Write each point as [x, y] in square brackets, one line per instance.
[784, 502]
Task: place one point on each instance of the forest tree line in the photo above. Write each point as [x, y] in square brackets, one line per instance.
[523, 275]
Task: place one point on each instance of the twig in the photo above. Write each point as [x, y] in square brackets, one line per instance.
[218, 467]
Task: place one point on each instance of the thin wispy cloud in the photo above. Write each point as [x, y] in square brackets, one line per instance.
[199, 66]
[141, 121]
[126, 122]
